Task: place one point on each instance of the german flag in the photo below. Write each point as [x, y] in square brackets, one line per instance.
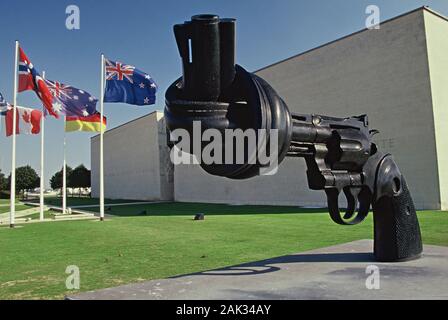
[88, 124]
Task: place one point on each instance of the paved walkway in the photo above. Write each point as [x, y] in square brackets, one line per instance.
[337, 272]
[20, 213]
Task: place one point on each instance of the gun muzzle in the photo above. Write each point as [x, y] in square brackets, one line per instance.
[222, 95]
[207, 48]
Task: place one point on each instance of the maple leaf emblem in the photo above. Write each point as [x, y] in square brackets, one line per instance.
[26, 117]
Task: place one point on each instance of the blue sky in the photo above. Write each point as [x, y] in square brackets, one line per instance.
[139, 32]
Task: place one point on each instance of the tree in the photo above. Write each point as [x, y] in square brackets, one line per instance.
[80, 178]
[3, 182]
[56, 179]
[26, 179]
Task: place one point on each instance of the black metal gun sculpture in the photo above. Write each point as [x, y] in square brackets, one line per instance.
[339, 152]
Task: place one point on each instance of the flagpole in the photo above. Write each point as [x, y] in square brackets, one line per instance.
[13, 156]
[42, 144]
[64, 174]
[102, 141]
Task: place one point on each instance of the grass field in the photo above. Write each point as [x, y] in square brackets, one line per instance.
[5, 202]
[19, 207]
[167, 242]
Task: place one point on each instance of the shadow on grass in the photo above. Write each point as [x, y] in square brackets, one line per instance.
[191, 209]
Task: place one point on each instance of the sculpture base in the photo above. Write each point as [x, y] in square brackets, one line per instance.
[336, 272]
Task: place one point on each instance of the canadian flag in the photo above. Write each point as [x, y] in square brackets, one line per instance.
[27, 121]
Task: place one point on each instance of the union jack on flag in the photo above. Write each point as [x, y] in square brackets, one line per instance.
[58, 89]
[71, 101]
[119, 71]
[125, 83]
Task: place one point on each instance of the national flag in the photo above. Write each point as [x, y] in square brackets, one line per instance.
[30, 79]
[125, 83]
[4, 106]
[71, 101]
[88, 124]
[27, 121]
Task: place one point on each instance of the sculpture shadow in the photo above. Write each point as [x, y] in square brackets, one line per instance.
[191, 209]
[271, 265]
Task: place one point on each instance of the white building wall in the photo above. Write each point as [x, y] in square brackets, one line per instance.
[136, 163]
[383, 73]
[437, 39]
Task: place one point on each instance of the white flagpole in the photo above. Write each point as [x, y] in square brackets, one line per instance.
[42, 144]
[102, 141]
[64, 175]
[13, 156]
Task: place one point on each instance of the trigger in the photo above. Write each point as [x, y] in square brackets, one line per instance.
[351, 195]
[373, 132]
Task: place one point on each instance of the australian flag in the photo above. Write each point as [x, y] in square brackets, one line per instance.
[4, 106]
[71, 101]
[125, 83]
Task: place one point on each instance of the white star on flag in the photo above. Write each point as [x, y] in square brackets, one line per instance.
[148, 77]
[146, 100]
[142, 85]
[57, 107]
[85, 113]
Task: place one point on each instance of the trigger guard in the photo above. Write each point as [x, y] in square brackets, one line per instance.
[352, 203]
[335, 213]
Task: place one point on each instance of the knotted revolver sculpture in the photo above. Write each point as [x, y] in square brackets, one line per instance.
[339, 152]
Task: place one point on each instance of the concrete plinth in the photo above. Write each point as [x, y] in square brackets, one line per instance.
[337, 272]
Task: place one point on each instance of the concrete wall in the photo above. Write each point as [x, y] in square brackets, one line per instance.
[136, 163]
[288, 187]
[383, 73]
[437, 39]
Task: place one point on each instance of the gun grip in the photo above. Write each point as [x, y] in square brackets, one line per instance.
[396, 228]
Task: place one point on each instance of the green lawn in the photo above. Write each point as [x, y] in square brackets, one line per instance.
[19, 207]
[167, 242]
[5, 202]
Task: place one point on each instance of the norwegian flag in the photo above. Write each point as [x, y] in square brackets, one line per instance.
[30, 79]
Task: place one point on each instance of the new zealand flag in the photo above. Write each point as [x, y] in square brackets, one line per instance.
[125, 83]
